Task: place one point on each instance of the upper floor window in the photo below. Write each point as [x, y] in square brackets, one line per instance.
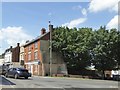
[29, 48]
[25, 49]
[21, 57]
[36, 55]
[9, 58]
[29, 56]
[36, 45]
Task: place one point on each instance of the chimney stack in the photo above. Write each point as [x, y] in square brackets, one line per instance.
[18, 44]
[43, 31]
[10, 47]
[50, 27]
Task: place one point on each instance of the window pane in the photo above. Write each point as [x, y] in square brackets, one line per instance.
[36, 55]
[36, 45]
[29, 56]
[29, 48]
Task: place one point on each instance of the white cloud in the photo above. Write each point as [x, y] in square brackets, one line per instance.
[49, 14]
[76, 7]
[75, 22]
[113, 23]
[10, 36]
[98, 5]
[84, 12]
[115, 8]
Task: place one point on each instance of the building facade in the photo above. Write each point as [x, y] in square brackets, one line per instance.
[11, 57]
[8, 56]
[1, 59]
[37, 56]
[21, 60]
[16, 55]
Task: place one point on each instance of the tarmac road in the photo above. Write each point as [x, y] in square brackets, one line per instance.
[53, 83]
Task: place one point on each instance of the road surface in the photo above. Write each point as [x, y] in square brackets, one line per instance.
[58, 83]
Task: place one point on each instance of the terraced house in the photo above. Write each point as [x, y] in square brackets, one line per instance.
[11, 58]
[21, 56]
[37, 56]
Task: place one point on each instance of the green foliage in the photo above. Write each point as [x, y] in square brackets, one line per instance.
[83, 46]
[104, 49]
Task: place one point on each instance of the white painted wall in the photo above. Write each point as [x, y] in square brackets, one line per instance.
[8, 57]
[21, 53]
[1, 61]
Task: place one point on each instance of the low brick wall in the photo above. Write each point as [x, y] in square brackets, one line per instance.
[79, 76]
[54, 75]
[71, 76]
[75, 76]
[59, 75]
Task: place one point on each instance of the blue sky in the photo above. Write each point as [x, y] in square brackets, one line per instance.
[33, 16]
[23, 20]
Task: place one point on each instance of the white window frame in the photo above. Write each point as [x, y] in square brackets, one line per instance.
[29, 56]
[36, 45]
[29, 48]
[36, 55]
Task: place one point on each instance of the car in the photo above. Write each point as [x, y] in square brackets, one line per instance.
[116, 77]
[17, 73]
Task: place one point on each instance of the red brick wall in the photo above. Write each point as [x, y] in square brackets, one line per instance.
[46, 37]
[26, 50]
[15, 54]
[32, 50]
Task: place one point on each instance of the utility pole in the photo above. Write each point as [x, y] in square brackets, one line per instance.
[50, 29]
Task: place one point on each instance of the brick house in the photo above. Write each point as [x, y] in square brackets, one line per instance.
[8, 56]
[11, 57]
[37, 56]
[15, 55]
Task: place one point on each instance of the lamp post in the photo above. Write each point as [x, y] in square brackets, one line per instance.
[50, 29]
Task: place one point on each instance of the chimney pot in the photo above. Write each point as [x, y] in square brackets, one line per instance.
[10, 47]
[18, 44]
[43, 31]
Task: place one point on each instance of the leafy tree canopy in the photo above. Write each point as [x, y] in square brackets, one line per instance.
[83, 46]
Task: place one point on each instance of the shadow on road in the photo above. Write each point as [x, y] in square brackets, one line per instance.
[21, 78]
[6, 81]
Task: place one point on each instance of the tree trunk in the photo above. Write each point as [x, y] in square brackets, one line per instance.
[103, 74]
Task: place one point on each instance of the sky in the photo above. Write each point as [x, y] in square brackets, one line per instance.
[23, 21]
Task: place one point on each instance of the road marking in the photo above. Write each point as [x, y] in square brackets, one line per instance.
[8, 83]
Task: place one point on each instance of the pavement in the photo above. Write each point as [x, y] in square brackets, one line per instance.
[53, 83]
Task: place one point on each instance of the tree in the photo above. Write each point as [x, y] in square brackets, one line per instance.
[74, 45]
[83, 46]
[105, 50]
